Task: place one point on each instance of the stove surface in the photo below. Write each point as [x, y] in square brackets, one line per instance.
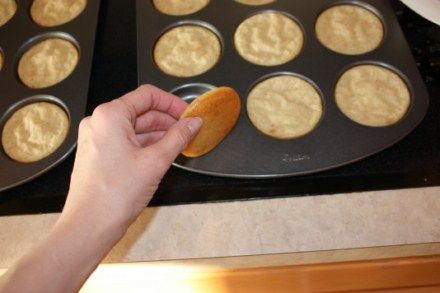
[413, 162]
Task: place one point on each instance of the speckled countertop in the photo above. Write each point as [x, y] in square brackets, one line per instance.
[254, 227]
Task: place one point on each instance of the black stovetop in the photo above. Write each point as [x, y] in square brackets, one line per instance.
[413, 162]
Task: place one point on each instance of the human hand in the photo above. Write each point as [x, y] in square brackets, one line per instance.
[124, 150]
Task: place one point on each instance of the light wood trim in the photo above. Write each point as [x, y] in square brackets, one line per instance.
[409, 274]
[345, 276]
[428, 289]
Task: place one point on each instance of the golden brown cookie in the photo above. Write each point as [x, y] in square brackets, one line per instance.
[372, 95]
[34, 132]
[187, 50]
[7, 10]
[219, 110]
[51, 13]
[47, 63]
[349, 29]
[268, 38]
[254, 2]
[179, 7]
[284, 107]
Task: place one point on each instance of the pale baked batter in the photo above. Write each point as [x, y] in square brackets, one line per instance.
[34, 132]
[179, 7]
[255, 2]
[349, 29]
[284, 107]
[56, 12]
[7, 10]
[372, 95]
[47, 63]
[268, 38]
[187, 50]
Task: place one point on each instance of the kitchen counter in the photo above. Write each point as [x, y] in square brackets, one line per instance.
[256, 227]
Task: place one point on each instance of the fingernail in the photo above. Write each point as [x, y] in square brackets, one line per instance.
[194, 125]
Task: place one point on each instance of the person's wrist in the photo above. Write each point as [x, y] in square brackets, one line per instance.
[106, 227]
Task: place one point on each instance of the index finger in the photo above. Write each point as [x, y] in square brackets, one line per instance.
[149, 97]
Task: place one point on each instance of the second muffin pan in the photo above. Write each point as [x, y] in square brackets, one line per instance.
[17, 36]
[336, 140]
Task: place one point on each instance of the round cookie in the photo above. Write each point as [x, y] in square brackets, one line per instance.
[268, 38]
[47, 63]
[219, 109]
[284, 107]
[349, 29]
[7, 10]
[254, 2]
[34, 132]
[51, 13]
[179, 7]
[372, 95]
[187, 50]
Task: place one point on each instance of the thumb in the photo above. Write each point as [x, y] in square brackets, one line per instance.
[176, 139]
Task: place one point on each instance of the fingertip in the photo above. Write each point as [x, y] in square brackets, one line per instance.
[177, 138]
[194, 125]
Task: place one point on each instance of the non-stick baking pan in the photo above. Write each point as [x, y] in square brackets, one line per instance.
[16, 36]
[246, 152]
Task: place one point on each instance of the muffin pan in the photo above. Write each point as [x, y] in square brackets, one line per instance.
[336, 140]
[18, 35]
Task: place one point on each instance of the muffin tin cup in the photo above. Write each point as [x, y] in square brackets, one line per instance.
[16, 37]
[287, 73]
[392, 69]
[189, 92]
[337, 140]
[196, 23]
[285, 14]
[371, 8]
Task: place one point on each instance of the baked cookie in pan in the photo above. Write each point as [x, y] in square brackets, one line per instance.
[7, 10]
[34, 132]
[187, 50]
[47, 63]
[372, 95]
[284, 106]
[349, 29]
[179, 7]
[268, 38]
[51, 13]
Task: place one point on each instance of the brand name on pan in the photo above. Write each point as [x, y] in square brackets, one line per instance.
[289, 158]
